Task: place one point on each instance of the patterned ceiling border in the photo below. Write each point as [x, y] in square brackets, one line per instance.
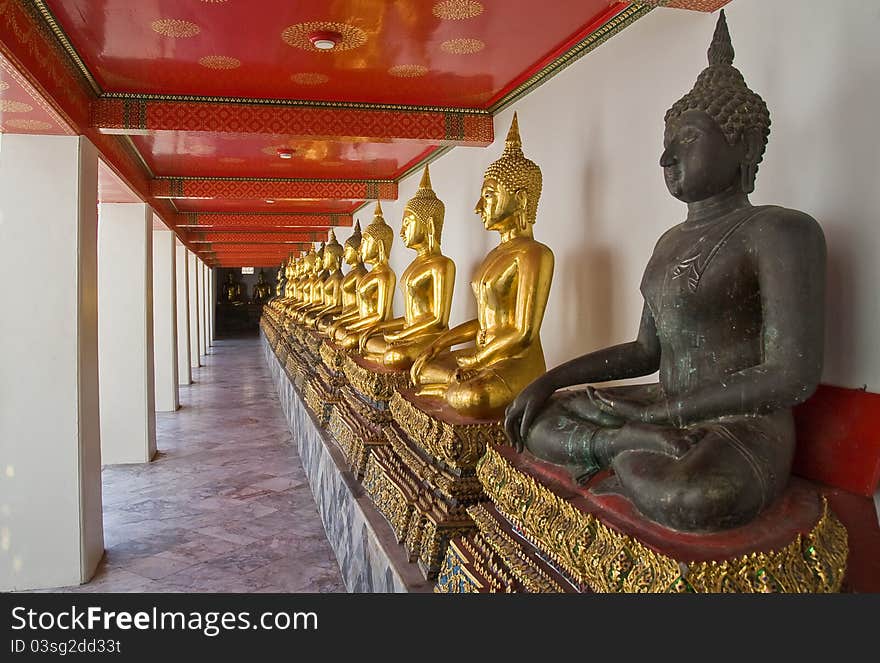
[189, 178]
[62, 38]
[592, 41]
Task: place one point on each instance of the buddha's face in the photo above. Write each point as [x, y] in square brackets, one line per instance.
[369, 249]
[496, 205]
[352, 255]
[331, 260]
[413, 230]
[697, 160]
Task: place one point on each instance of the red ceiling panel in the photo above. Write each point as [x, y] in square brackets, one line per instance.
[458, 53]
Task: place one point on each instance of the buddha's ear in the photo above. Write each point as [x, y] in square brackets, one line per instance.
[522, 200]
[432, 238]
[753, 145]
[380, 246]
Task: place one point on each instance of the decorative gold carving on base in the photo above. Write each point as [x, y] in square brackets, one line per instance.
[604, 560]
[376, 383]
[458, 445]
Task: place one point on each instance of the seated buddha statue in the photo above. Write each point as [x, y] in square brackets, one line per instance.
[331, 293]
[310, 268]
[733, 319]
[315, 298]
[375, 289]
[511, 287]
[280, 281]
[232, 290]
[348, 304]
[262, 290]
[427, 287]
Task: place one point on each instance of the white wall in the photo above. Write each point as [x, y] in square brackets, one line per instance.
[51, 531]
[596, 131]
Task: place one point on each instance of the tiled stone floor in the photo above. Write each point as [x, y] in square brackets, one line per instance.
[225, 506]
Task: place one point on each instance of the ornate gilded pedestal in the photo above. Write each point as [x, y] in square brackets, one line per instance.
[541, 533]
[361, 413]
[424, 479]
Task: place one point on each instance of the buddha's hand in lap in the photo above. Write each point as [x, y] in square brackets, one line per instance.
[521, 413]
[428, 355]
[630, 409]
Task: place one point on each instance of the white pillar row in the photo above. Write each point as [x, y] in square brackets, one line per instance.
[51, 531]
[194, 357]
[125, 332]
[184, 369]
[213, 274]
[207, 300]
[200, 284]
[165, 321]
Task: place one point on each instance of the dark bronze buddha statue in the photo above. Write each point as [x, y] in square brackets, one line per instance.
[733, 320]
[262, 289]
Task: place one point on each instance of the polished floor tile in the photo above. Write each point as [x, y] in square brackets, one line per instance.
[225, 506]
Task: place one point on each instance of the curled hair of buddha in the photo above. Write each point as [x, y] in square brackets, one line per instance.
[354, 240]
[333, 246]
[379, 230]
[514, 171]
[721, 92]
[425, 204]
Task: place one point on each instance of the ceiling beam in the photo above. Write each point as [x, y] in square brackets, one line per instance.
[252, 238]
[275, 189]
[137, 114]
[216, 220]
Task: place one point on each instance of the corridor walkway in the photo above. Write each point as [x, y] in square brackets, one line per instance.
[226, 506]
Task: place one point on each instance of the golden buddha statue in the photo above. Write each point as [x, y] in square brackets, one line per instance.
[375, 289]
[232, 290]
[348, 287]
[316, 279]
[331, 294]
[280, 281]
[307, 280]
[427, 286]
[511, 287]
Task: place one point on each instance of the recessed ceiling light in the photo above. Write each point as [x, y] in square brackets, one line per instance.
[285, 154]
[270, 200]
[325, 40]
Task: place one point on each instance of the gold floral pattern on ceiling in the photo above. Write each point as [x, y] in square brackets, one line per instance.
[298, 36]
[219, 62]
[10, 106]
[4, 86]
[29, 125]
[175, 27]
[408, 70]
[309, 78]
[457, 10]
[463, 46]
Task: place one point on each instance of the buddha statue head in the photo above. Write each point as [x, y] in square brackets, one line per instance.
[423, 217]
[318, 262]
[307, 263]
[377, 239]
[332, 253]
[716, 134]
[511, 187]
[352, 246]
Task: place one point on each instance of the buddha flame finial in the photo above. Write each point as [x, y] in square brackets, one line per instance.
[513, 142]
[721, 50]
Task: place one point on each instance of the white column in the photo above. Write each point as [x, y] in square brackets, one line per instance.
[184, 371]
[194, 359]
[200, 284]
[125, 332]
[51, 531]
[209, 301]
[213, 303]
[165, 321]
